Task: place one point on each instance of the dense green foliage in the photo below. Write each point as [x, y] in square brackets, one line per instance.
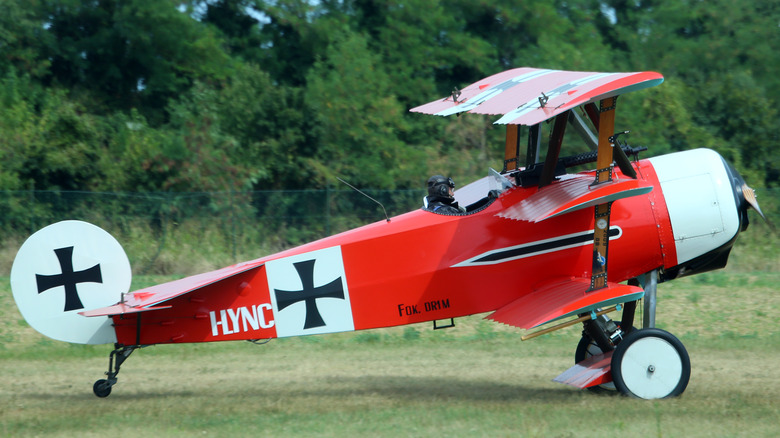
[136, 95]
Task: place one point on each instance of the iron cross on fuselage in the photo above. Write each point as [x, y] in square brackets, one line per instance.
[309, 294]
[69, 278]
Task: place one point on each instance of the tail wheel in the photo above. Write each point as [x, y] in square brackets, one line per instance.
[102, 388]
[650, 363]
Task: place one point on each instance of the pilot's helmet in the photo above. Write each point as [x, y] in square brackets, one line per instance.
[440, 186]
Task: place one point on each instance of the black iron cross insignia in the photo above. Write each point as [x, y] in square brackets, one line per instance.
[69, 279]
[309, 294]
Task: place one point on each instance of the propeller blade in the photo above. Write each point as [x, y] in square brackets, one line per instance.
[750, 197]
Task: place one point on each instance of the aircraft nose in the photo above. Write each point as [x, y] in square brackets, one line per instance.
[706, 204]
[707, 201]
[744, 195]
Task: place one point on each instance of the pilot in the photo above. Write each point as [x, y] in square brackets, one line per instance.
[441, 198]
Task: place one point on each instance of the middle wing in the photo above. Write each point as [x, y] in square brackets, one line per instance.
[571, 195]
[561, 299]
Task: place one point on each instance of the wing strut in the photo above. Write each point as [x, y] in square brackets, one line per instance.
[512, 148]
[554, 149]
[534, 145]
[604, 160]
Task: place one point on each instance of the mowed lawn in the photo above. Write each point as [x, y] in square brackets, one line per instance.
[477, 379]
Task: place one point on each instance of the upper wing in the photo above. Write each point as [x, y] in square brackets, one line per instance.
[149, 298]
[561, 299]
[528, 96]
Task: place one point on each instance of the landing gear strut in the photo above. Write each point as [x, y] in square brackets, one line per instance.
[102, 387]
[648, 363]
[608, 333]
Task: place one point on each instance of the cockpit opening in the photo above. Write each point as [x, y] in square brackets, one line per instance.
[473, 197]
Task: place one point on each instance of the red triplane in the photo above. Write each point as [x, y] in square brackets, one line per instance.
[536, 244]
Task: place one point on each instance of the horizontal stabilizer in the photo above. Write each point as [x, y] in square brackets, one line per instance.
[120, 309]
[571, 195]
[595, 370]
[561, 299]
[148, 298]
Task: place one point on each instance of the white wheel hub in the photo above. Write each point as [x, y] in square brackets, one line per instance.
[651, 368]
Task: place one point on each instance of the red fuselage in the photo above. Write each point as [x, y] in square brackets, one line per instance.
[419, 266]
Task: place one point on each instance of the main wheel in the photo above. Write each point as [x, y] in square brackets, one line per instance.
[102, 388]
[650, 363]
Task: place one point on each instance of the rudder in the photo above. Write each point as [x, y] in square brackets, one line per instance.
[65, 268]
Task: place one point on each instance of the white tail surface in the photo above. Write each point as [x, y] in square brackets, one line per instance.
[66, 268]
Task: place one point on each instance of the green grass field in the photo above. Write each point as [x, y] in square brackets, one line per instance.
[477, 379]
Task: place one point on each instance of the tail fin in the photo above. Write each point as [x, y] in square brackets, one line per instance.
[65, 268]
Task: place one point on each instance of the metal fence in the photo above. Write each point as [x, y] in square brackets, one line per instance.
[223, 225]
[181, 233]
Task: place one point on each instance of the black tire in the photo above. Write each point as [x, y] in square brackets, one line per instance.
[651, 363]
[102, 388]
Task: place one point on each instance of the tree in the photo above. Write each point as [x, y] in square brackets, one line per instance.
[191, 153]
[22, 38]
[125, 54]
[357, 120]
[237, 21]
[50, 142]
[721, 51]
[717, 58]
[292, 38]
[269, 122]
